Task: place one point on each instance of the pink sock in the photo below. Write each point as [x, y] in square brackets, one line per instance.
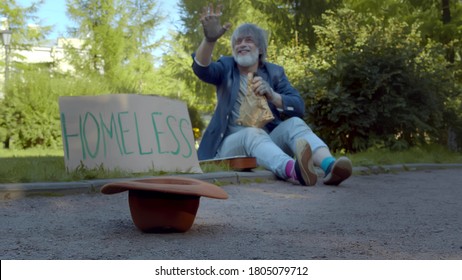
[290, 169]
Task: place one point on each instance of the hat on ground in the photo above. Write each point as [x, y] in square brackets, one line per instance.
[164, 204]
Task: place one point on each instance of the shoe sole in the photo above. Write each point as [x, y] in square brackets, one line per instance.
[305, 164]
[341, 171]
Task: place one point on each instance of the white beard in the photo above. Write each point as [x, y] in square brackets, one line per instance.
[246, 60]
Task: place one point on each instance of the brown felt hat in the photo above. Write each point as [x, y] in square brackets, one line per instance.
[164, 204]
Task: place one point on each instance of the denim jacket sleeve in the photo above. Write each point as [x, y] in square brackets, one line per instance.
[293, 103]
[225, 76]
[291, 99]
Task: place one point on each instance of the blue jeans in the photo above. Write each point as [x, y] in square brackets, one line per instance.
[272, 150]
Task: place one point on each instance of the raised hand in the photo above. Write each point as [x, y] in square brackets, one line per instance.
[210, 20]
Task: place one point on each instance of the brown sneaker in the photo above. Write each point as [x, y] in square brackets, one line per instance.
[304, 168]
[340, 171]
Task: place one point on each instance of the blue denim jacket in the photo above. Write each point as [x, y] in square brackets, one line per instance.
[224, 74]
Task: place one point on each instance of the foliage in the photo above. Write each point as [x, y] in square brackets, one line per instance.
[299, 18]
[29, 114]
[18, 18]
[293, 58]
[179, 81]
[115, 58]
[117, 40]
[375, 81]
[25, 114]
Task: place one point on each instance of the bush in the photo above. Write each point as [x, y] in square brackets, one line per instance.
[375, 82]
[29, 114]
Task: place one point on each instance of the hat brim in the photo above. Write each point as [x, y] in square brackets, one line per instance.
[172, 185]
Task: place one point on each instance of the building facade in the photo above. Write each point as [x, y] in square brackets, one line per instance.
[54, 55]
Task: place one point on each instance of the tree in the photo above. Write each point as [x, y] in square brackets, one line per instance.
[376, 81]
[117, 39]
[143, 22]
[438, 21]
[16, 19]
[297, 17]
[446, 14]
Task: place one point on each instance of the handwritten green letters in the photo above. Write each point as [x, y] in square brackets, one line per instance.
[129, 132]
[97, 131]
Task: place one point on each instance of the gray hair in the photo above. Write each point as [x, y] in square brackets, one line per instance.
[259, 36]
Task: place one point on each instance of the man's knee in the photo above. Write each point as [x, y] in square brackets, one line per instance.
[297, 122]
[252, 136]
[252, 132]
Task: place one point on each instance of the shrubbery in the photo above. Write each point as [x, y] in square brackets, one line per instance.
[29, 113]
[377, 83]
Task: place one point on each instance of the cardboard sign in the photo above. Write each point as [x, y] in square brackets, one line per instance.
[128, 132]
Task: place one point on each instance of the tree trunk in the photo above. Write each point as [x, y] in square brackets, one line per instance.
[446, 18]
[452, 140]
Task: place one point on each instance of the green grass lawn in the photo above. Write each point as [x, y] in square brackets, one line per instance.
[39, 165]
[425, 154]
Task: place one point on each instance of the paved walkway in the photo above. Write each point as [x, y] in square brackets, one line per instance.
[412, 212]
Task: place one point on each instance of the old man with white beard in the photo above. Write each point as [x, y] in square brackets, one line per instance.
[286, 145]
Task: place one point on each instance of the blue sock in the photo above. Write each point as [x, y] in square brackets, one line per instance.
[327, 163]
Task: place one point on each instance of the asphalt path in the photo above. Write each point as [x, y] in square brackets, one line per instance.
[396, 215]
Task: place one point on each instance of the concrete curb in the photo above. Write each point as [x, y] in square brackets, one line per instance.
[19, 190]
